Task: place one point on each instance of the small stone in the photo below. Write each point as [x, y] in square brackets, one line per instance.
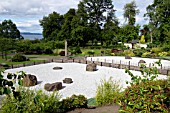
[67, 80]
[57, 68]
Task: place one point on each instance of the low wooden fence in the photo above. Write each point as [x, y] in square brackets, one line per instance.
[118, 65]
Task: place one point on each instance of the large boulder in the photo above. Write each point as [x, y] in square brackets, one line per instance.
[53, 87]
[91, 67]
[67, 81]
[29, 80]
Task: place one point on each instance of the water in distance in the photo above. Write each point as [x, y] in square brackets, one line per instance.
[32, 36]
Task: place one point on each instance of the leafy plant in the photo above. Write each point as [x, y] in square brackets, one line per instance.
[146, 55]
[91, 52]
[7, 84]
[142, 40]
[129, 53]
[19, 58]
[31, 101]
[75, 101]
[145, 93]
[107, 91]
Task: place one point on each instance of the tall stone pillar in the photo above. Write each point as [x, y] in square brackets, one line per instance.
[66, 48]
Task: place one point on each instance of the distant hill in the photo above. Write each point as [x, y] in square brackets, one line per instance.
[28, 33]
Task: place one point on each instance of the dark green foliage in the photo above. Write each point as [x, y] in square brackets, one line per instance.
[7, 85]
[153, 96]
[91, 52]
[9, 30]
[145, 94]
[75, 50]
[158, 14]
[51, 25]
[139, 52]
[19, 58]
[73, 102]
[29, 101]
[130, 12]
[166, 47]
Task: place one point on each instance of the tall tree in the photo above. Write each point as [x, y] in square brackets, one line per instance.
[130, 12]
[96, 11]
[51, 25]
[8, 29]
[110, 32]
[159, 19]
[130, 33]
[66, 29]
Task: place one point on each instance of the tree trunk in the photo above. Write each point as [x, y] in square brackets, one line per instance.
[151, 36]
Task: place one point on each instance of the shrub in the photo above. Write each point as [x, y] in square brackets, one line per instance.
[145, 94]
[30, 101]
[163, 54]
[165, 47]
[139, 52]
[107, 91]
[91, 52]
[146, 55]
[129, 53]
[62, 53]
[73, 102]
[107, 52]
[112, 54]
[156, 50]
[19, 58]
[142, 40]
[75, 50]
[48, 51]
[153, 96]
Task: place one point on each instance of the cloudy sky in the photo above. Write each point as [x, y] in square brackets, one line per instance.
[27, 13]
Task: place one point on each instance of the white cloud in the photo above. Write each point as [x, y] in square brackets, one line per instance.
[27, 13]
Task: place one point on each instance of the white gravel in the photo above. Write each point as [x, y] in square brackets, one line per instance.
[133, 61]
[83, 82]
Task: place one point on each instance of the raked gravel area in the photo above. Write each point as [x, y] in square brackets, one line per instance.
[133, 61]
[83, 82]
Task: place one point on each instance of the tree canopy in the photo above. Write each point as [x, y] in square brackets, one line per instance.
[8, 29]
[158, 14]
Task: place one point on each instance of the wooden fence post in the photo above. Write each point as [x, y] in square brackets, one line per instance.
[129, 65]
[120, 65]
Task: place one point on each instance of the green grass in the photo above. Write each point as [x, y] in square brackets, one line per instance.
[85, 52]
[17, 63]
